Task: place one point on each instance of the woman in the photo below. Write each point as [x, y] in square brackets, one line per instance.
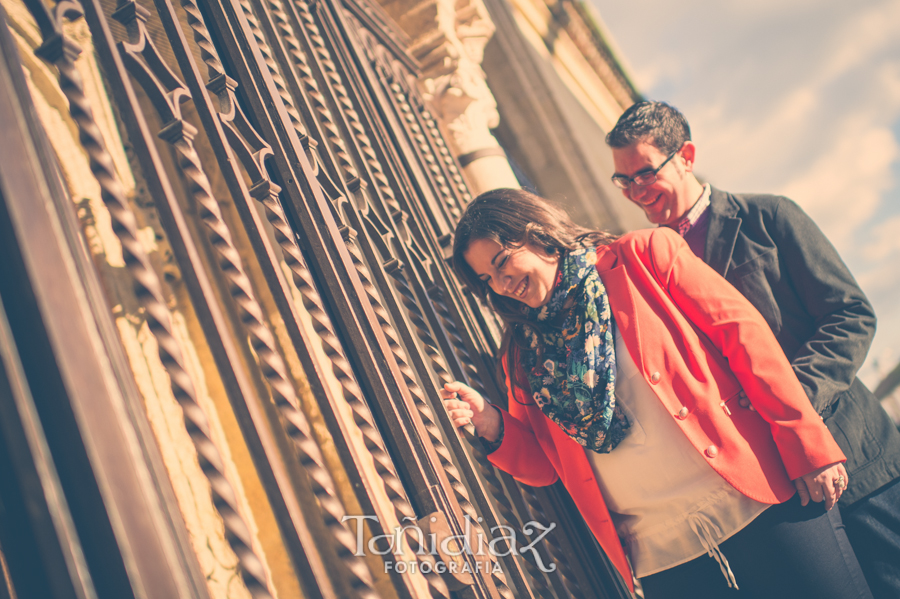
[661, 399]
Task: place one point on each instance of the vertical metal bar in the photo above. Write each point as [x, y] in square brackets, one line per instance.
[60, 51]
[321, 238]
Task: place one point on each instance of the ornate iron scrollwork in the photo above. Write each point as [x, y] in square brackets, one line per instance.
[308, 195]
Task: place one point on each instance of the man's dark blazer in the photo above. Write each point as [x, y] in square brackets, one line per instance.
[769, 249]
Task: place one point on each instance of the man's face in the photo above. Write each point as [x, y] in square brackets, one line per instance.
[667, 199]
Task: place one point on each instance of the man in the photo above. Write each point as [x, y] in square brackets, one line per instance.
[769, 249]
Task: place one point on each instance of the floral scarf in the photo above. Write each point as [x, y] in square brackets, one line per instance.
[575, 382]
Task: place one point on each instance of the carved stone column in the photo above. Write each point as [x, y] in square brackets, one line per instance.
[448, 39]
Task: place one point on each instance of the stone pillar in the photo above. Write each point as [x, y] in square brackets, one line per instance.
[448, 39]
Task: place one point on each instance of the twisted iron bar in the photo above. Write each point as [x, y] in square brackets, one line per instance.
[352, 394]
[439, 365]
[409, 378]
[402, 97]
[203, 39]
[448, 323]
[179, 135]
[485, 468]
[428, 419]
[423, 333]
[422, 330]
[272, 65]
[271, 363]
[459, 183]
[339, 91]
[318, 103]
[331, 345]
[407, 297]
[273, 207]
[61, 52]
[267, 194]
[563, 569]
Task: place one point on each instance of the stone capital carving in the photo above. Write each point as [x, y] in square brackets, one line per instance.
[448, 39]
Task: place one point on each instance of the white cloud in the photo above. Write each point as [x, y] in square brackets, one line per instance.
[770, 9]
[800, 98]
[883, 242]
[756, 151]
[871, 31]
[880, 280]
[852, 75]
[844, 187]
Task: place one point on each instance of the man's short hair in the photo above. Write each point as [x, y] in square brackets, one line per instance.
[654, 122]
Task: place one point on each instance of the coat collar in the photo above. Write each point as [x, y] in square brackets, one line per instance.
[724, 225]
[606, 258]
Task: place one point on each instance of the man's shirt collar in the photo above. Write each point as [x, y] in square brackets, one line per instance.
[693, 215]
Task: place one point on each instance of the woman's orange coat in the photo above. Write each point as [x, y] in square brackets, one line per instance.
[697, 342]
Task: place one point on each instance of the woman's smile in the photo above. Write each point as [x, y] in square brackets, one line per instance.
[522, 288]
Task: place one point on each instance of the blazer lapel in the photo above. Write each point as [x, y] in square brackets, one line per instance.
[722, 233]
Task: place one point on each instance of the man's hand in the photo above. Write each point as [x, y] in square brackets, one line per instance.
[464, 405]
[826, 483]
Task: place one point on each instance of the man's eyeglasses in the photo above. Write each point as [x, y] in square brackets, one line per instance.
[643, 178]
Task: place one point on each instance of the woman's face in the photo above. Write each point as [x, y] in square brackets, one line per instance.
[525, 273]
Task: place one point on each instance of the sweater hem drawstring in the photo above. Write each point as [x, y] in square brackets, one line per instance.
[707, 533]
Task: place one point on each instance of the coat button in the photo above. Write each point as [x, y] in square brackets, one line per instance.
[745, 403]
[712, 451]
[682, 413]
[654, 378]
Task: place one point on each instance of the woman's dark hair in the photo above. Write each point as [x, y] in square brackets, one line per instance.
[513, 218]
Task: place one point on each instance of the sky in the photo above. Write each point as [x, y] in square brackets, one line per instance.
[800, 98]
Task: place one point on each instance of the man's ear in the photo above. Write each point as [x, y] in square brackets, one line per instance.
[688, 154]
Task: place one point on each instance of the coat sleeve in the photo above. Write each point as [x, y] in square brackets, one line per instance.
[744, 339]
[520, 454]
[829, 359]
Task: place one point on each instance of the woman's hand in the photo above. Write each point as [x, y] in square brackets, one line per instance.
[465, 405]
[826, 483]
